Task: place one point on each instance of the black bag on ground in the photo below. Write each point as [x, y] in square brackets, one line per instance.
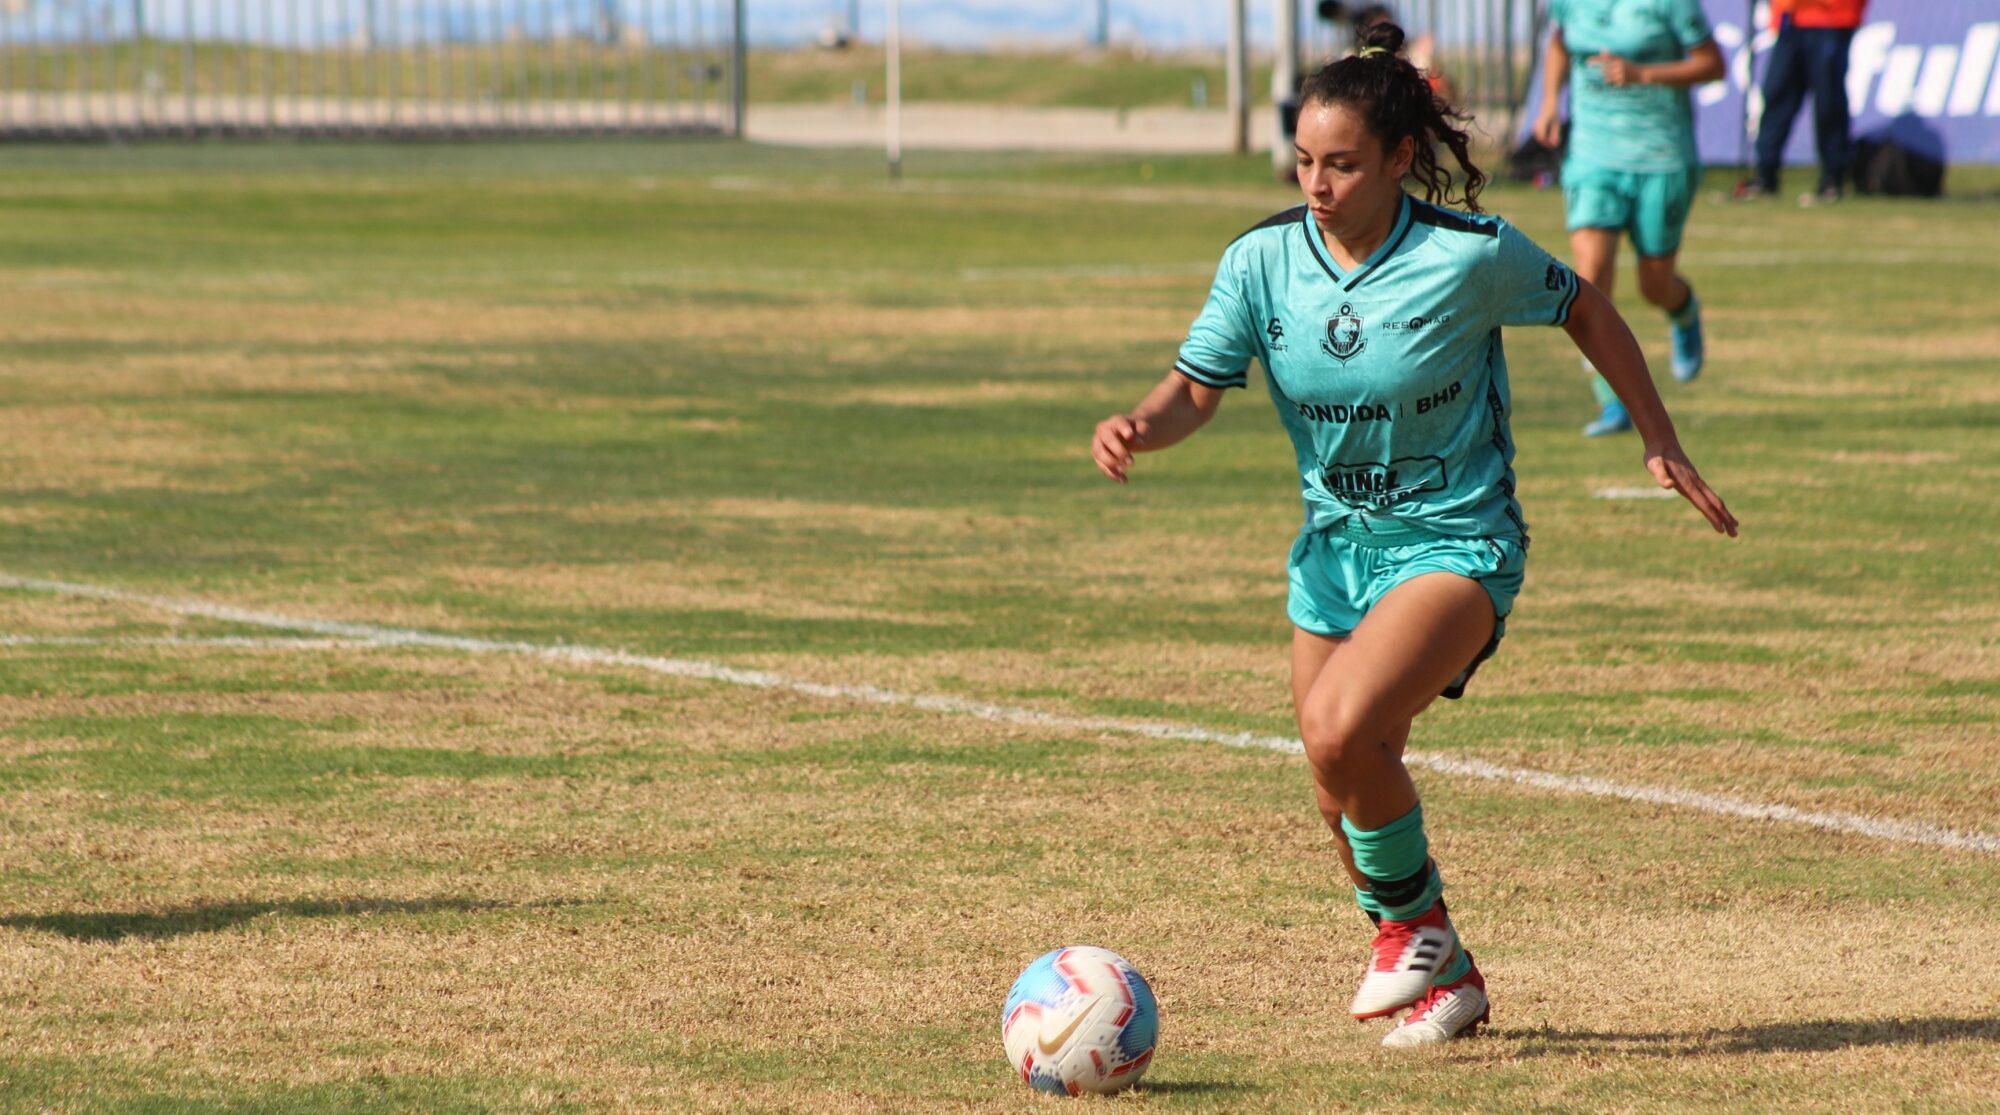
[1531, 160]
[1885, 167]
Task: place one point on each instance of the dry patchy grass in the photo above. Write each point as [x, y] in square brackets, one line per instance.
[755, 930]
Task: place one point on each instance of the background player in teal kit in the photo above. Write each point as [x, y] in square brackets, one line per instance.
[1631, 165]
[1377, 319]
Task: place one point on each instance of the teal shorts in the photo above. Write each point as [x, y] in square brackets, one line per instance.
[1653, 207]
[1337, 575]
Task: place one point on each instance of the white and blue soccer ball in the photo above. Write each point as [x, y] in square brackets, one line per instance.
[1080, 1019]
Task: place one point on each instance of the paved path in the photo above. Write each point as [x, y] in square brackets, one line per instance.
[955, 127]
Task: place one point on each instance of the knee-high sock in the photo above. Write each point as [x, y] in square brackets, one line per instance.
[1396, 860]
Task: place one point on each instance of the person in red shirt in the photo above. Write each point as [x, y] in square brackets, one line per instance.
[1810, 58]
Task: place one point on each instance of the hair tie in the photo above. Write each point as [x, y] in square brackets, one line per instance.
[1370, 51]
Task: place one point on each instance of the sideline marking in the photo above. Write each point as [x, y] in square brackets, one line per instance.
[366, 634]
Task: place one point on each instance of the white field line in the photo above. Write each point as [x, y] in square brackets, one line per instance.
[1900, 832]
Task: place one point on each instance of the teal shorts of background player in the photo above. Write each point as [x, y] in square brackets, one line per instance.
[1651, 206]
[1336, 576]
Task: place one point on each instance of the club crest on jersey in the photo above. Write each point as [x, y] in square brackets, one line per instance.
[1343, 334]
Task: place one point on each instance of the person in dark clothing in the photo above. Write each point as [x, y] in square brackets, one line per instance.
[1809, 59]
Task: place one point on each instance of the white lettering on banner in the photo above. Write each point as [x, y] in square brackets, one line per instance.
[1993, 97]
[1975, 65]
[1934, 83]
[1899, 81]
[1730, 38]
[1927, 81]
[1865, 59]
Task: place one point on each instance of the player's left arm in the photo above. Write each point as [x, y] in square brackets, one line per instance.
[1702, 65]
[1603, 337]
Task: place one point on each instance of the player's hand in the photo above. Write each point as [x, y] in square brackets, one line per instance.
[1549, 128]
[1674, 471]
[1117, 439]
[1616, 70]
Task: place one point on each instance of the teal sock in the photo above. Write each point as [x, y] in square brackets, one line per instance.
[1366, 900]
[1396, 858]
[1605, 395]
[1461, 963]
[1689, 313]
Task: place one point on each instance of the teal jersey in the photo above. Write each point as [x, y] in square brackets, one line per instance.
[1646, 128]
[1390, 379]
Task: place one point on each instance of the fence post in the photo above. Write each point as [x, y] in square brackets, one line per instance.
[1237, 68]
[1284, 82]
[739, 80]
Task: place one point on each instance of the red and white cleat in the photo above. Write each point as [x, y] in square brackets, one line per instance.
[1454, 1010]
[1407, 955]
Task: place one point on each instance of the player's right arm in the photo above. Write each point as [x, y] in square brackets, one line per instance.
[1603, 337]
[1215, 357]
[1176, 407]
[1555, 74]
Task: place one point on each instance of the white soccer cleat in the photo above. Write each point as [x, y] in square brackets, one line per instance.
[1407, 955]
[1452, 1011]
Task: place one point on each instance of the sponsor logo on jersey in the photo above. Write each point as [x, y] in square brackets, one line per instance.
[1276, 331]
[1415, 323]
[1440, 398]
[1343, 334]
[1344, 412]
[1375, 484]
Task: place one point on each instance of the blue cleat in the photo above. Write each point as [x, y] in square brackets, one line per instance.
[1687, 344]
[1611, 420]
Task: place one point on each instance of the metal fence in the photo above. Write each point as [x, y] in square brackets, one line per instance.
[1488, 48]
[96, 69]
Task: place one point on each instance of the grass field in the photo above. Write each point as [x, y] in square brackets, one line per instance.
[568, 70]
[755, 408]
[1118, 78]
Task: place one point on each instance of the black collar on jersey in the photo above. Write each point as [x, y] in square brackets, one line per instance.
[1397, 232]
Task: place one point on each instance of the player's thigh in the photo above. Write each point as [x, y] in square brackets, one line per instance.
[1593, 253]
[1661, 205]
[1411, 645]
[1597, 201]
[1309, 654]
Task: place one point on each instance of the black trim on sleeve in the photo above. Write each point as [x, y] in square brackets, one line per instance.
[1569, 300]
[1272, 221]
[1211, 379]
[1450, 219]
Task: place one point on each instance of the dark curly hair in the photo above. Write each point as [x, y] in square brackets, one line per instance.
[1395, 100]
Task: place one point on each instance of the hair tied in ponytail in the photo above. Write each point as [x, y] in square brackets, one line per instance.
[1396, 102]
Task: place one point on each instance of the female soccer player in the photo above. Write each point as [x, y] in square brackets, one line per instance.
[1377, 320]
[1631, 165]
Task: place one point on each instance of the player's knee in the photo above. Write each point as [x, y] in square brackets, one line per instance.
[1661, 288]
[1338, 739]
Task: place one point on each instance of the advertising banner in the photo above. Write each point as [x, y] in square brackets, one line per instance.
[1923, 71]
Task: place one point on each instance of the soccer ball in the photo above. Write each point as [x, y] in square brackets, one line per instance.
[1080, 1019]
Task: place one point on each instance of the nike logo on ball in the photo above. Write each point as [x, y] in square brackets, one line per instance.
[1050, 1048]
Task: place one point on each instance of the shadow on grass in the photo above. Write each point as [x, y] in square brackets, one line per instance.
[215, 916]
[1777, 1037]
